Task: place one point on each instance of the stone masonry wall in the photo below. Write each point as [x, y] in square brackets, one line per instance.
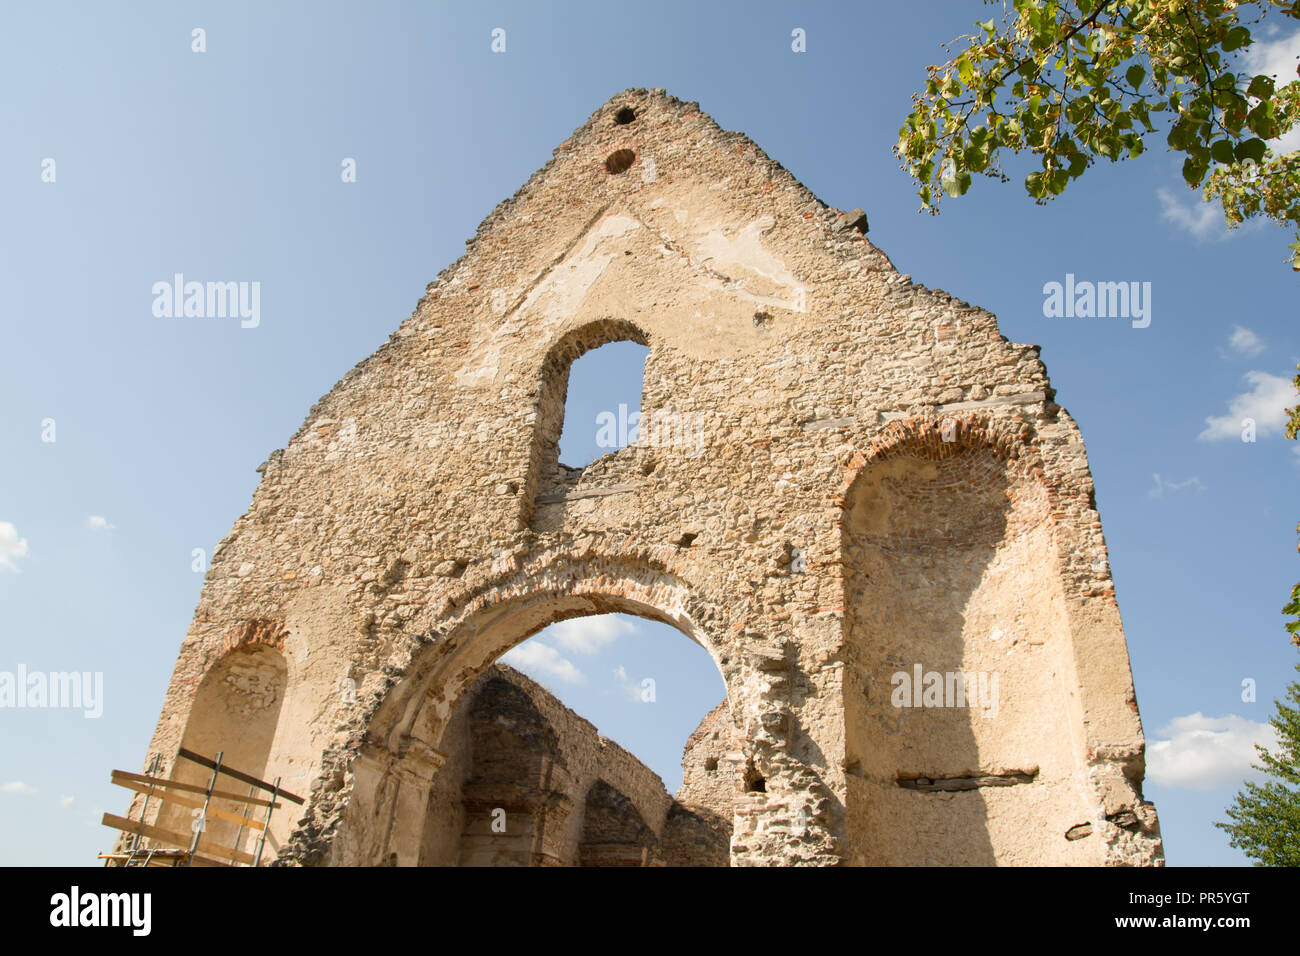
[537, 785]
[419, 524]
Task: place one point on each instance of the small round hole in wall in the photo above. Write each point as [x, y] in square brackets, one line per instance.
[620, 161]
[711, 764]
[625, 116]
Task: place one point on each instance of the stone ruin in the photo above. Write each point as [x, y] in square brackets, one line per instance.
[850, 489]
[527, 782]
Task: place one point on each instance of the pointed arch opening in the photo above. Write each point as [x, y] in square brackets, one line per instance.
[953, 706]
[472, 762]
[236, 713]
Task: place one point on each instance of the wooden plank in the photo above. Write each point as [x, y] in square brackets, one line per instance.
[188, 788]
[203, 761]
[175, 839]
[165, 857]
[193, 802]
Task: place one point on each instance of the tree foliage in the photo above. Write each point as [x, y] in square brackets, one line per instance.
[1074, 80]
[1293, 607]
[1264, 821]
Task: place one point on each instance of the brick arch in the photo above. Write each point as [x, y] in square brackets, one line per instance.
[925, 438]
[614, 833]
[525, 595]
[247, 634]
[392, 767]
[954, 566]
[1068, 499]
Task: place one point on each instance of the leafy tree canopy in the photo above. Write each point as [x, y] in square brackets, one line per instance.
[1074, 80]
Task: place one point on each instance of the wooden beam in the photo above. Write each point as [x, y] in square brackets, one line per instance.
[175, 839]
[203, 761]
[193, 802]
[160, 782]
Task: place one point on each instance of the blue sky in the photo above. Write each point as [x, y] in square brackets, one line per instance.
[226, 165]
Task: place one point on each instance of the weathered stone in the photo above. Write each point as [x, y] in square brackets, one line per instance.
[855, 509]
[527, 782]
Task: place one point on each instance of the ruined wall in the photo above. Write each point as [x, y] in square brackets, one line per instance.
[527, 782]
[419, 525]
[711, 766]
[962, 676]
[699, 826]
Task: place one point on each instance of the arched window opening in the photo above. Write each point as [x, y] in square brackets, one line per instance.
[584, 746]
[610, 382]
[235, 713]
[602, 409]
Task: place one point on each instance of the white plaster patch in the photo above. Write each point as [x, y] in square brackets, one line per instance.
[561, 293]
[728, 251]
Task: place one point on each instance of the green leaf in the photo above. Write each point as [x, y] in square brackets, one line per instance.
[1135, 75]
[1252, 149]
[976, 158]
[1236, 38]
[1139, 110]
[957, 183]
[965, 69]
[1222, 151]
[1193, 171]
[1261, 87]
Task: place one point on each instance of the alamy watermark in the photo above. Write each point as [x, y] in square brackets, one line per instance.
[1100, 300]
[661, 429]
[208, 300]
[75, 908]
[62, 690]
[922, 688]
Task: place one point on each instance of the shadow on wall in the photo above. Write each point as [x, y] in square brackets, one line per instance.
[613, 831]
[235, 713]
[524, 784]
[921, 535]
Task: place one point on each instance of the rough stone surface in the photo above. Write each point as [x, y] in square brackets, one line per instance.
[527, 782]
[847, 476]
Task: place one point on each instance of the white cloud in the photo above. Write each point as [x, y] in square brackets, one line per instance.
[65, 802]
[632, 688]
[541, 660]
[1266, 403]
[18, 787]
[1205, 753]
[11, 547]
[1203, 220]
[1161, 486]
[1277, 58]
[1243, 341]
[99, 523]
[587, 635]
